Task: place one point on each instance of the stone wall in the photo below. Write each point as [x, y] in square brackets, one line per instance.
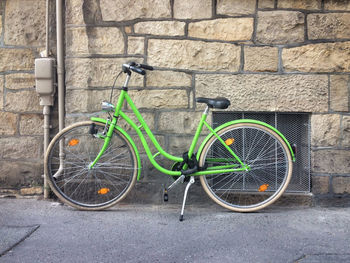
[22, 33]
[286, 56]
[266, 55]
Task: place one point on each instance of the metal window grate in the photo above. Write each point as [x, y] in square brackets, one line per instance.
[295, 127]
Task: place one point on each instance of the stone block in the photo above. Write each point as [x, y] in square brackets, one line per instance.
[328, 26]
[147, 116]
[280, 27]
[20, 148]
[1, 91]
[235, 7]
[262, 92]
[341, 184]
[227, 29]
[323, 57]
[160, 139]
[25, 23]
[31, 124]
[300, 4]
[169, 98]
[120, 10]
[74, 12]
[22, 101]
[128, 29]
[260, 58]
[339, 92]
[179, 122]
[320, 184]
[165, 28]
[0, 25]
[16, 174]
[168, 79]
[91, 12]
[136, 45]
[85, 100]
[105, 40]
[16, 59]
[36, 190]
[345, 131]
[179, 144]
[97, 72]
[8, 123]
[77, 42]
[266, 4]
[337, 5]
[20, 81]
[194, 9]
[194, 55]
[325, 130]
[331, 161]
[94, 40]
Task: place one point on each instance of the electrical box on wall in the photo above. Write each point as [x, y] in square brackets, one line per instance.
[45, 80]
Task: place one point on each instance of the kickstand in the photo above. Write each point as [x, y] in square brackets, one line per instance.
[185, 196]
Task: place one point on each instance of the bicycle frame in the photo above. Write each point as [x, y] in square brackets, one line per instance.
[240, 166]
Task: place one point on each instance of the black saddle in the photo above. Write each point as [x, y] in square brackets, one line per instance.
[217, 103]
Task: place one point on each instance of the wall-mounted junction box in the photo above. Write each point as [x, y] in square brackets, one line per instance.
[45, 80]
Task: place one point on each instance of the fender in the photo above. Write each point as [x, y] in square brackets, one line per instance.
[127, 136]
[246, 121]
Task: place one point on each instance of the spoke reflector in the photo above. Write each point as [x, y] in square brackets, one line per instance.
[263, 187]
[229, 141]
[103, 191]
[73, 142]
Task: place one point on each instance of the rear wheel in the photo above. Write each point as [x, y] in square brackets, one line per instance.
[270, 164]
[67, 167]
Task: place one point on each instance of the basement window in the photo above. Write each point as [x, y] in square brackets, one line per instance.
[295, 127]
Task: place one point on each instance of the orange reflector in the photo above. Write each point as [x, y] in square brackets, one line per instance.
[103, 191]
[229, 141]
[263, 187]
[73, 142]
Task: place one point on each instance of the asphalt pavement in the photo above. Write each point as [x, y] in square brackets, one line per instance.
[45, 231]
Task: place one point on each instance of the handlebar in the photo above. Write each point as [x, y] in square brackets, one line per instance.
[146, 67]
[138, 68]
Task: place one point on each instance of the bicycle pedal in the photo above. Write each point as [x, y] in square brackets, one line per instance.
[165, 196]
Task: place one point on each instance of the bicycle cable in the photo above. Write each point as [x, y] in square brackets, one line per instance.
[115, 80]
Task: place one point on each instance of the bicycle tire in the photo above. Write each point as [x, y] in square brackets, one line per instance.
[106, 184]
[270, 163]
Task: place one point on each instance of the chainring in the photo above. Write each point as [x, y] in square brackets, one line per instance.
[177, 166]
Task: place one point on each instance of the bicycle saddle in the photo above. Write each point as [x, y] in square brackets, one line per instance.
[217, 103]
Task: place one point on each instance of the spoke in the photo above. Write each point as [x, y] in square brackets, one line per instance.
[264, 154]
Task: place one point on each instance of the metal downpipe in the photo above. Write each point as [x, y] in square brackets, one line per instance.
[46, 113]
[60, 63]
[46, 109]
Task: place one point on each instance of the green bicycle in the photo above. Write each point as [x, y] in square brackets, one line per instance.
[243, 165]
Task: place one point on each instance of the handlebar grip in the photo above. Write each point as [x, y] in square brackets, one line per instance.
[146, 67]
[138, 70]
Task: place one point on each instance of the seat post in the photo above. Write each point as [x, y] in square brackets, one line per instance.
[206, 111]
[198, 132]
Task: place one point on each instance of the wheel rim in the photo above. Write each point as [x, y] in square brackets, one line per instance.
[100, 186]
[268, 159]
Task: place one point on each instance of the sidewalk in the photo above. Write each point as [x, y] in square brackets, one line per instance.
[44, 231]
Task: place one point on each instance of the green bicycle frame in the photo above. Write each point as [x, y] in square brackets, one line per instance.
[238, 166]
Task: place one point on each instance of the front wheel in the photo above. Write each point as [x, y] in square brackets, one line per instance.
[67, 167]
[268, 157]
